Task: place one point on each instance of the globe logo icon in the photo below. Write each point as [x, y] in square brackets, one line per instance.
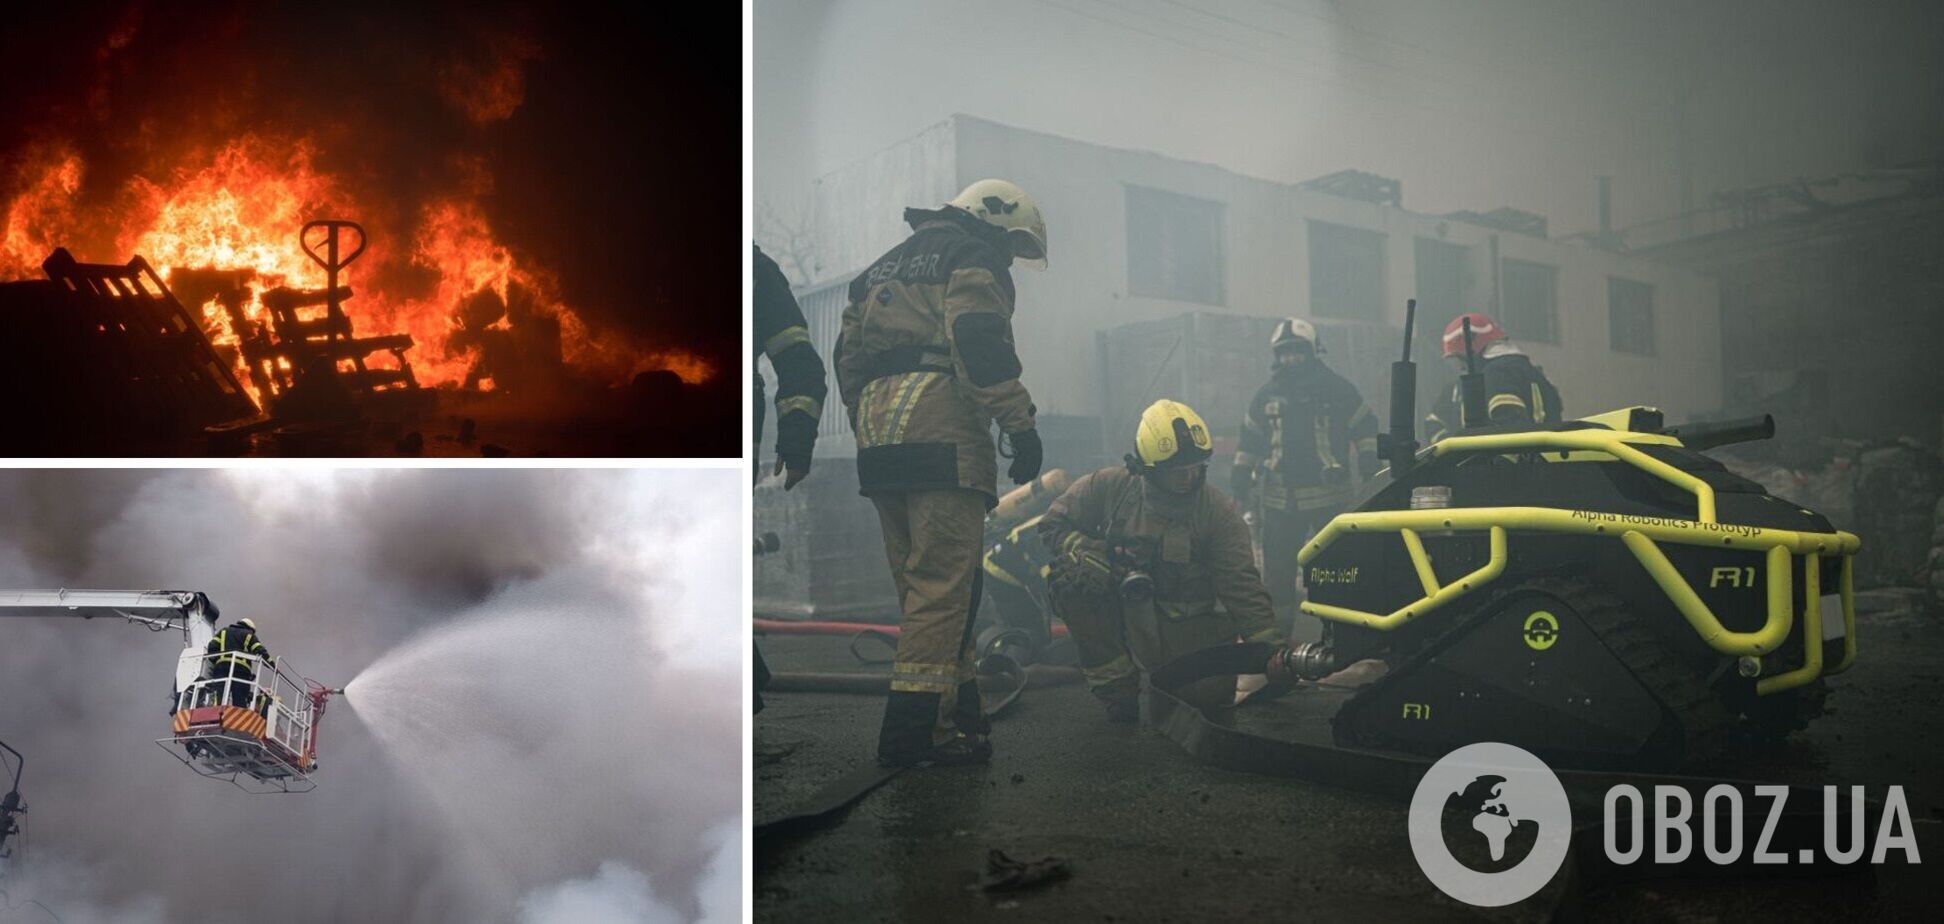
[1482, 830]
[1490, 824]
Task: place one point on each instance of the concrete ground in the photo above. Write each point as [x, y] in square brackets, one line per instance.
[1154, 836]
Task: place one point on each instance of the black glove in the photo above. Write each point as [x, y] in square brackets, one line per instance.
[796, 436]
[1335, 475]
[1027, 456]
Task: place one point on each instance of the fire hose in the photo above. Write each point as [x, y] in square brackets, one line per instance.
[1217, 742]
[1002, 675]
[876, 684]
[821, 627]
[860, 632]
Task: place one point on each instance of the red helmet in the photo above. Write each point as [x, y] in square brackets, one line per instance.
[1483, 331]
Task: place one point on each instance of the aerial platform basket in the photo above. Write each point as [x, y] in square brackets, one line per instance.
[248, 721]
[237, 717]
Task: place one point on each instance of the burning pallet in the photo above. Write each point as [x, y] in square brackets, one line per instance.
[304, 350]
[108, 352]
[303, 361]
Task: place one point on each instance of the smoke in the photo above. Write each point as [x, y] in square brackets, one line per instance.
[617, 894]
[54, 517]
[65, 890]
[542, 626]
[1471, 106]
[614, 895]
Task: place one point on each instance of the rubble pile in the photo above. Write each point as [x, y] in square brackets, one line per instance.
[1891, 494]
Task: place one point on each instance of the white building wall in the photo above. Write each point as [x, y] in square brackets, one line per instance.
[858, 211]
[1084, 290]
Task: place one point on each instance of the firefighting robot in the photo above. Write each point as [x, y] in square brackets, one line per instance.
[1598, 591]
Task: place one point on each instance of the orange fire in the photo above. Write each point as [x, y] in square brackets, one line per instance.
[43, 213]
[239, 207]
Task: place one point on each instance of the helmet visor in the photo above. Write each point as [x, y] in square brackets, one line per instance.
[1027, 247]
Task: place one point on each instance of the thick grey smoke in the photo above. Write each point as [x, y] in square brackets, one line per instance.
[526, 799]
[1472, 105]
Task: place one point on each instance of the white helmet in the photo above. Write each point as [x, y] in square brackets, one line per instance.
[248, 622]
[1290, 330]
[1000, 203]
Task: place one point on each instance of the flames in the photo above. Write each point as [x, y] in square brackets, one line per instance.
[238, 207]
[43, 213]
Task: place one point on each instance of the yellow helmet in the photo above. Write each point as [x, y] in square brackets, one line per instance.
[1003, 205]
[1171, 433]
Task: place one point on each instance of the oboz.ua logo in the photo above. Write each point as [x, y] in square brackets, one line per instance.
[1490, 824]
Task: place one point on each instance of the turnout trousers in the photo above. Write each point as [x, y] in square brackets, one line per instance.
[1115, 641]
[934, 542]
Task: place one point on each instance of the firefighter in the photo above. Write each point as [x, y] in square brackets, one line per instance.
[782, 335]
[926, 366]
[1516, 391]
[237, 651]
[1151, 563]
[1016, 559]
[1298, 436]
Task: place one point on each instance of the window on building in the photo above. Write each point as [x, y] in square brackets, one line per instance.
[1630, 316]
[1346, 270]
[1530, 294]
[1174, 246]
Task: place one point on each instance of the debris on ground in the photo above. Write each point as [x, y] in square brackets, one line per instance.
[1005, 874]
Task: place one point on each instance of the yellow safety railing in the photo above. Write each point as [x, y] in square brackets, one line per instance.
[1434, 595]
[1759, 642]
[1619, 444]
[1641, 535]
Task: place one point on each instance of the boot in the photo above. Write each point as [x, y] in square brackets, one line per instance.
[962, 750]
[906, 735]
[968, 712]
[1122, 697]
[1123, 710]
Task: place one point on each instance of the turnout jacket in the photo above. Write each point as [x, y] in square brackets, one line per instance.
[1516, 392]
[1196, 546]
[926, 363]
[1298, 435]
[781, 334]
[237, 639]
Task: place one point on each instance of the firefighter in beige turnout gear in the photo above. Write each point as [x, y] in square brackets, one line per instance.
[1151, 562]
[926, 365]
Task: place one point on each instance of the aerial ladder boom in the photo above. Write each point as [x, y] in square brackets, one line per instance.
[189, 611]
[234, 716]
